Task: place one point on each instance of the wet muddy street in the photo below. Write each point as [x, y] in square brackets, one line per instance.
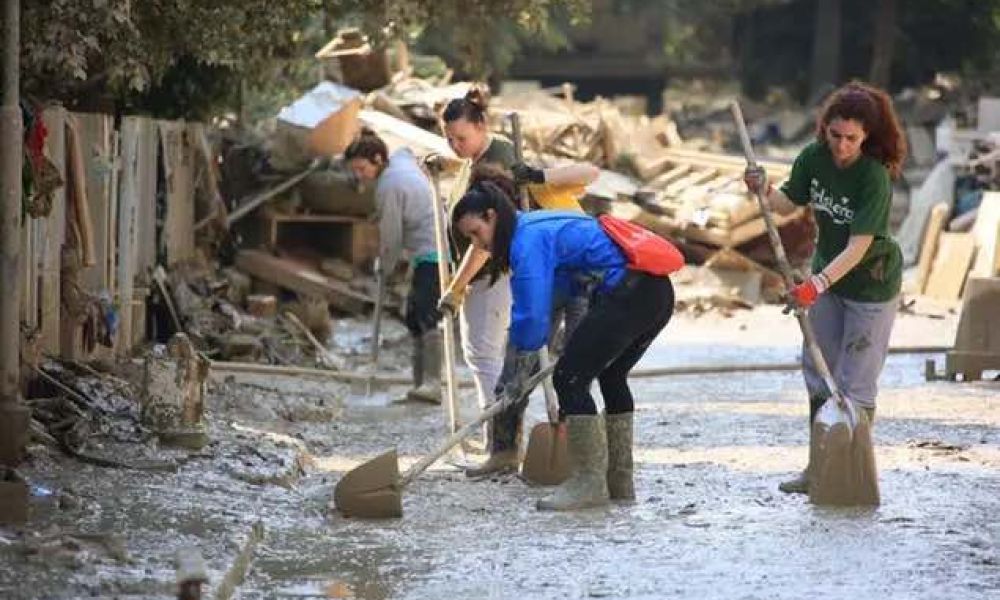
[709, 521]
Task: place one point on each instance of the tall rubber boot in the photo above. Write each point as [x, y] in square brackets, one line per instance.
[621, 485]
[503, 433]
[587, 485]
[428, 385]
[800, 483]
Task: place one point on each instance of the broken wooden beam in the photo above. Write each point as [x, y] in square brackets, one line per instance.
[302, 279]
[247, 206]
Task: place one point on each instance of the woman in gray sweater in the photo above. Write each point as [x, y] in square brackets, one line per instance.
[404, 202]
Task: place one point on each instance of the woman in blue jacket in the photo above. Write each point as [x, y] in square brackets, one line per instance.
[552, 251]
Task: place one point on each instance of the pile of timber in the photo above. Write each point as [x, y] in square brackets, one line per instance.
[951, 243]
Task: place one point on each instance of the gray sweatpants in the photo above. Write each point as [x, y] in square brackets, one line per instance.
[854, 339]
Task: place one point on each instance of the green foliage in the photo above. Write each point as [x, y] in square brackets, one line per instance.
[123, 49]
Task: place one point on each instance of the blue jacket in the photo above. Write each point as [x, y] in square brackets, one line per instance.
[549, 250]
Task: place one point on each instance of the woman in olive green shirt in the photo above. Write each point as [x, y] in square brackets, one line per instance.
[853, 291]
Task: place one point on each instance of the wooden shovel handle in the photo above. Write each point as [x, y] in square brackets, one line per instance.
[786, 270]
[496, 408]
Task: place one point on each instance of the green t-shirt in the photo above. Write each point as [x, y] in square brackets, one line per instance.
[851, 201]
[499, 153]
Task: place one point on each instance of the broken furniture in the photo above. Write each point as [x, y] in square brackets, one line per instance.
[352, 239]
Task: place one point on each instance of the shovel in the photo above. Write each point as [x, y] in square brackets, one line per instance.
[444, 278]
[546, 461]
[840, 450]
[374, 490]
[376, 325]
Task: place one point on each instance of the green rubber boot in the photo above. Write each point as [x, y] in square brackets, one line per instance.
[620, 483]
[800, 483]
[503, 434]
[587, 485]
[426, 369]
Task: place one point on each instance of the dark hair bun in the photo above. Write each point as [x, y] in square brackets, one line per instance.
[478, 95]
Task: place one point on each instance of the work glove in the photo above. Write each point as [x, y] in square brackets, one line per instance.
[525, 364]
[756, 179]
[523, 174]
[451, 301]
[806, 293]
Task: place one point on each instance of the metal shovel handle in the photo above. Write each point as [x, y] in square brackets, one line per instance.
[786, 270]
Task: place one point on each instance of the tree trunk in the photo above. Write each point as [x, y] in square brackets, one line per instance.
[826, 49]
[883, 44]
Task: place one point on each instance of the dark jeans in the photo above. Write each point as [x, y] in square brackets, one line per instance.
[421, 301]
[609, 341]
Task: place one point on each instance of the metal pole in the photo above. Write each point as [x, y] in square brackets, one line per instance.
[12, 414]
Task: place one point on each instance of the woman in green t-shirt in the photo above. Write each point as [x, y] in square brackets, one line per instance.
[857, 267]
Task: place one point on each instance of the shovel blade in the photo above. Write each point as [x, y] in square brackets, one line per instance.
[371, 490]
[843, 467]
[546, 461]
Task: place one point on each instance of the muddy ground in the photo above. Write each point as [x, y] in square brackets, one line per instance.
[709, 521]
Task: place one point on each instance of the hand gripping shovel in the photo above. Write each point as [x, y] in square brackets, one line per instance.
[841, 457]
[546, 462]
[374, 490]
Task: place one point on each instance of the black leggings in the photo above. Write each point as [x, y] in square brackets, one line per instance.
[421, 301]
[609, 341]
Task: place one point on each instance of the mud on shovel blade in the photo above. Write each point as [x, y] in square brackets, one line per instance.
[374, 489]
[842, 457]
[546, 461]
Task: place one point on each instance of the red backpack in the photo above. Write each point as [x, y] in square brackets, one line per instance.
[645, 251]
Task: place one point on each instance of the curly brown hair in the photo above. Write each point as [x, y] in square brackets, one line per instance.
[872, 108]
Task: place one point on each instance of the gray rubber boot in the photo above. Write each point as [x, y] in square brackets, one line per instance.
[503, 433]
[620, 482]
[428, 385]
[800, 483]
[587, 485]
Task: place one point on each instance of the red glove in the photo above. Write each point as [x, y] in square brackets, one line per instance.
[806, 293]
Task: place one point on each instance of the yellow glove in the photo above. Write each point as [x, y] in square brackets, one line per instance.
[451, 301]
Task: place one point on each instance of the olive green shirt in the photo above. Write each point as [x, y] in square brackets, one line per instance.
[499, 153]
[855, 200]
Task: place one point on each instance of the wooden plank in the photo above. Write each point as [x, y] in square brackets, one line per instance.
[77, 185]
[302, 279]
[95, 132]
[55, 235]
[178, 172]
[935, 225]
[951, 265]
[697, 177]
[985, 232]
[664, 179]
[270, 215]
[128, 228]
[148, 161]
[939, 186]
[978, 329]
[199, 137]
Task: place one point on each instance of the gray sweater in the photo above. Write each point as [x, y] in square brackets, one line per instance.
[404, 202]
